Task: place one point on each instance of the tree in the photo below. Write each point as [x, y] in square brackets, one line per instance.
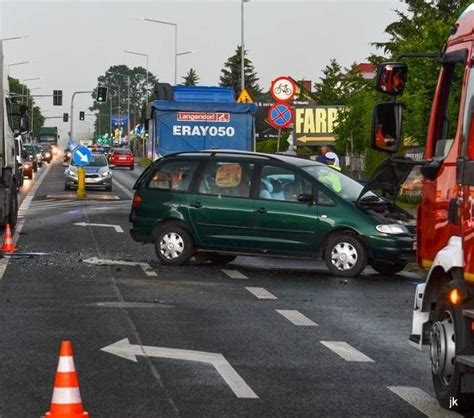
[115, 78]
[231, 74]
[17, 89]
[191, 78]
[330, 89]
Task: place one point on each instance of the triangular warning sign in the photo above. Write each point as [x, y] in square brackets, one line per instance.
[244, 97]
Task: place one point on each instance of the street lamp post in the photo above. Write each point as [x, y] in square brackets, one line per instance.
[175, 42]
[23, 86]
[17, 63]
[242, 44]
[14, 37]
[146, 75]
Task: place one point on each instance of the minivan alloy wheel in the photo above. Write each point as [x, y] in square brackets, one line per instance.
[344, 256]
[171, 245]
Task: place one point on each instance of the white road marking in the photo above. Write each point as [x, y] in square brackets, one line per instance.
[129, 351]
[261, 293]
[422, 401]
[235, 274]
[117, 228]
[128, 192]
[297, 318]
[101, 262]
[21, 216]
[346, 351]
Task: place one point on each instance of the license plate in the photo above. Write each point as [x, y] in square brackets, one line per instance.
[89, 180]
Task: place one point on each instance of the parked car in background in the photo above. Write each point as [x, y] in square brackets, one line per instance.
[67, 155]
[122, 157]
[98, 174]
[226, 203]
[31, 156]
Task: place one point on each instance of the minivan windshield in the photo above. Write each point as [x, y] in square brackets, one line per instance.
[97, 161]
[343, 185]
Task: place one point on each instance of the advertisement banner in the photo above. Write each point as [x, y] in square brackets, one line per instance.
[314, 125]
[119, 120]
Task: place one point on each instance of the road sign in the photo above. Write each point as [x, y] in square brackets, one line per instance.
[280, 115]
[244, 97]
[81, 156]
[283, 89]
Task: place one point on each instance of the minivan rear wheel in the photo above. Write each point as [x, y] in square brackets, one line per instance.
[345, 255]
[174, 245]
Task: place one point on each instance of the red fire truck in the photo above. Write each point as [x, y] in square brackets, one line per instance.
[443, 316]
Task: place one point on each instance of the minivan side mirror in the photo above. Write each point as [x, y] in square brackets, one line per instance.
[386, 127]
[391, 78]
[305, 198]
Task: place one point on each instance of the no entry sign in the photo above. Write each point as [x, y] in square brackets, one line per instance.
[280, 115]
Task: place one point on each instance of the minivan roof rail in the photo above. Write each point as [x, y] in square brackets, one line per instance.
[213, 152]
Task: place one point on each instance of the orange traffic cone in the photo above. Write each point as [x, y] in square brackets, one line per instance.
[66, 402]
[8, 244]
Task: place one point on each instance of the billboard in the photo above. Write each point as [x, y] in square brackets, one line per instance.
[314, 125]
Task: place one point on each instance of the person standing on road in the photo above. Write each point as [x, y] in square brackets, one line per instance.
[322, 154]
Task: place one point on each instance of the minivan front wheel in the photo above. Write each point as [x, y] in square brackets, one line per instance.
[345, 255]
[174, 245]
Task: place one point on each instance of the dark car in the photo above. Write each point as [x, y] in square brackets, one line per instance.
[31, 156]
[227, 203]
[47, 152]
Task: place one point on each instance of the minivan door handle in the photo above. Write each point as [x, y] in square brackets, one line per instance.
[261, 210]
[196, 205]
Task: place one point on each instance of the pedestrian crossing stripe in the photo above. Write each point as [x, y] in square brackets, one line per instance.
[244, 97]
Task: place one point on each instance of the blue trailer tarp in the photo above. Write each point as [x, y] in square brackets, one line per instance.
[192, 126]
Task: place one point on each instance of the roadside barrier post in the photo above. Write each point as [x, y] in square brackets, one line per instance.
[81, 183]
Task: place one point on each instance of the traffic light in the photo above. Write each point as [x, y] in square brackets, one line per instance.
[57, 97]
[82, 115]
[102, 94]
[65, 117]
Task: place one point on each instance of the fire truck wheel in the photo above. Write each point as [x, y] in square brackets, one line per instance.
[387, 269]
[345, 255]
[449, 334]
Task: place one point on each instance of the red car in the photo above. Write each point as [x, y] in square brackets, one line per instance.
[122, 157]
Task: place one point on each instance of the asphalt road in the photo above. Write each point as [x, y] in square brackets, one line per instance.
[343, 353]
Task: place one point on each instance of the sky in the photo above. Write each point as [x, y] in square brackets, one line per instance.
[70, 43]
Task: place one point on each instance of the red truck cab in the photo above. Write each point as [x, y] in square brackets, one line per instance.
[443, 313]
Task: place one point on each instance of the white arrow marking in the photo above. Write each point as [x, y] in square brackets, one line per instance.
[100, 262]
[124, 349]
[117, 228]
[82, 156]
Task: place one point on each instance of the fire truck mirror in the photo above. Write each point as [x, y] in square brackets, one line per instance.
[386, 127]
[465, 172]
[391, 78]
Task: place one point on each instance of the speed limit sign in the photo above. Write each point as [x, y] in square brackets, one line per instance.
[283, 89]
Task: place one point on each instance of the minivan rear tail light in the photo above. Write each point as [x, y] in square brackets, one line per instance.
[137, 201]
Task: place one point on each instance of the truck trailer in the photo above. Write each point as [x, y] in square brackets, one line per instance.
[200, 118]
[8, 180]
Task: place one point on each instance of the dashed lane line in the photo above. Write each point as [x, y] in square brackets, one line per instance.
[102, 262]
[296, 318]
[235, 274]
[261, 293]
[346, 351]
[422, 401]
[21, 216]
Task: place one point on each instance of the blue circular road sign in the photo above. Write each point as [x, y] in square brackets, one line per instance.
[280, 115]
[81, 156]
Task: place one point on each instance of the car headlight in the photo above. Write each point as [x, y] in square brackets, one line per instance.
[106, 173]
[392, 229]
[26, 166]
[48, 155]
[71, 173]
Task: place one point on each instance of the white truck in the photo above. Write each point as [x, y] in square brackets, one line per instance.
[8, 180]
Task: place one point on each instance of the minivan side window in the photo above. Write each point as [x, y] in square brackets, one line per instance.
[173, 176]
[226, 178]
[280, 183]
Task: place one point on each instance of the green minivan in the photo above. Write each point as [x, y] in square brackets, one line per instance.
[220, 204]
